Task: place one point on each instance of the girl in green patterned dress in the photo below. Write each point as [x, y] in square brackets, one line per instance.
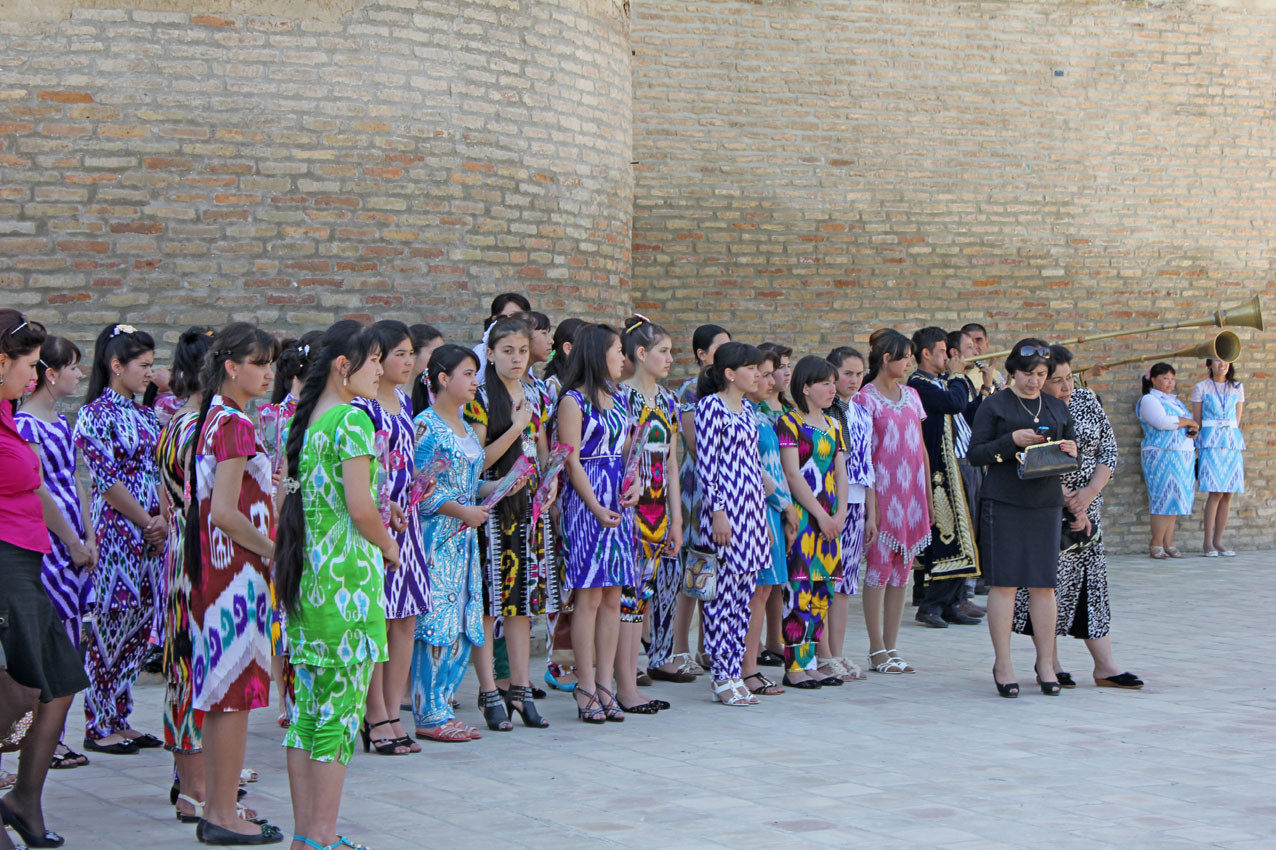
[330, 550]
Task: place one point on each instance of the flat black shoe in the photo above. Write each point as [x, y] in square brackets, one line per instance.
[661, 705]
[29, 838]
[805, 684]
[641, 708]
[211, 833]
[930, 620]
[767, 658]
[1010, 690]
[146, 742]
[1128, 681]
[120, 748]
[831, 682]
[539, 693]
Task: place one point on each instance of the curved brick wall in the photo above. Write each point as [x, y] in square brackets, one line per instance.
[396, 159]
[811, 170]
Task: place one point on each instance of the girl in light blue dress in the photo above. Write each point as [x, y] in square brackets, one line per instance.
[1217, 403]
[1168, 456]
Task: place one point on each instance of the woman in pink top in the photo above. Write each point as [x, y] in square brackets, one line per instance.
[37, 650]
[901, 471]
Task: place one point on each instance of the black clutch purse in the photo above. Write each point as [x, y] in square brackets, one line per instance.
[1044, 460]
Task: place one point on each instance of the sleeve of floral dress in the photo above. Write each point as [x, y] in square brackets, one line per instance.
[95, 438]
[234, 437]
[426, 447]
[709, 425]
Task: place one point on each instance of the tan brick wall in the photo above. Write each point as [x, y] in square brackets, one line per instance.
[809, 171]
[405, 159]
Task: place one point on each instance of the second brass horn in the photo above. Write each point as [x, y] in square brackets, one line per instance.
[1248, 314]
[1225, 346]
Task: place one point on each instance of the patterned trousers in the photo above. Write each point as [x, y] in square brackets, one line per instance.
[634, 598]
[437, 672]
[852, 550]
[116, 643]
[726, 621]
[806, 605]
[662, 605]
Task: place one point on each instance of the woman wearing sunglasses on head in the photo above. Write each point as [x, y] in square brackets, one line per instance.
[1021, 519]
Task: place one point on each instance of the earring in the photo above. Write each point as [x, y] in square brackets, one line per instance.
[345, 380]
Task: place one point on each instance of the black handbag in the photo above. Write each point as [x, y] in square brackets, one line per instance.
[1044, 460]
[1070, 541]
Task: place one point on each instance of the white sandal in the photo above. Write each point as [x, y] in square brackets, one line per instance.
[905, 667]
[247, 775]
[743, 690]
[732, 697]
[850, 673]
[688, 664]
[891, 665]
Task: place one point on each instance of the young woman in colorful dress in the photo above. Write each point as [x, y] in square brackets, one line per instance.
[425, 339]
[447, 633]
[812, 452]
[775, 405]
[183, 726]
[861, 508]
[1217, 403]
[407, 589]
[681, 666]
[228, 547]
[598, 527]
[510, 420]
[901, 471]
[333, 593]
[658, 514]
[66, 571]
[37, 650]
[732, 511]
[1168, 456]
[781, 521]
[117, 437]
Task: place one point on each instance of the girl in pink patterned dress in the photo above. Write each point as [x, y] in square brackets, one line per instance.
[901, 472]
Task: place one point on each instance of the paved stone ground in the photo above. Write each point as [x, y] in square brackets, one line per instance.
[929, 760]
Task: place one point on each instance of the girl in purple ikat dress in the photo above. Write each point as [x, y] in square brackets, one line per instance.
[598, 523]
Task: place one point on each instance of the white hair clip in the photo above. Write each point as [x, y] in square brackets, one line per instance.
[291, 485]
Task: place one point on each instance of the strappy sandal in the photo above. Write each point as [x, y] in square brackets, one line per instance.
[767, 688]
[494, 712]
[890, 665]
[904, 665]
[1173, 552]
[248, 775]
[452, 732]
[68, 759]
[383, 746]
[727, 694]
[522, 695]
[743, 689]
[342, 841]
[198, 806]
[1157, 553]
[588, 713]
[611, 708]
[687, 664]
[850, 672]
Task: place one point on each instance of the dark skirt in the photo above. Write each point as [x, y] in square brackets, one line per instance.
[36, 647]
[1019, 547]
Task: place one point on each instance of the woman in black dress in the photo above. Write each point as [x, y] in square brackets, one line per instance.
[1021, 519]
[37, 650]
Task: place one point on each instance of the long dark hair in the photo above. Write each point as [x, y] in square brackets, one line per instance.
[291, 365]
[116, 342]
[810, 370]
[500, 413]
[703, 337]
[422, 335]
[346, 338]
[188, 360]
[563, 334]
[1157, 370]
[56, 352]
[888, 343]
[1230, 377]
[730, 355]
[444, 360]
[238, 342]
[587, 367]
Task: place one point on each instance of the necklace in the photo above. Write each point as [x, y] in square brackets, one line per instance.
[1036, 417]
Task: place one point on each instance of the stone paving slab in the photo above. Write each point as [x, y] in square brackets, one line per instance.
[930, 760]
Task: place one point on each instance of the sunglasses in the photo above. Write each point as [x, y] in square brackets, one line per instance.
[1034, 351]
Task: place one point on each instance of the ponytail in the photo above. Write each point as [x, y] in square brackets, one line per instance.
[730, 355]
[886, 342]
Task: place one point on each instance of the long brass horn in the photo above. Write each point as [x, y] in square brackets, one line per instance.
[1225, 346]
[1246, 315]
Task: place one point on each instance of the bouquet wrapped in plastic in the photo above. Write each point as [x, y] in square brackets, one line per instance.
[270, 424]
[636, 448]
[424, 479]
[382, 447]
[517, 473]
[553, 465]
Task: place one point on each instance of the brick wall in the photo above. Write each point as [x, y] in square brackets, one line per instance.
[405, 159]
[809, 171]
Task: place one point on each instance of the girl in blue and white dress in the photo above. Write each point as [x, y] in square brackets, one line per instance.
[1168, 457]
[447, 633]
[1217, 403]
[732, 517]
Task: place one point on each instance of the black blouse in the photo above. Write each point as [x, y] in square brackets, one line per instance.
[992, 444]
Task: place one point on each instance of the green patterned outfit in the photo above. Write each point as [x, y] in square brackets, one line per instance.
[338, 634]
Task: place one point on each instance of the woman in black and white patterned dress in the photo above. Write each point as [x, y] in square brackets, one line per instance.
[1082, 592]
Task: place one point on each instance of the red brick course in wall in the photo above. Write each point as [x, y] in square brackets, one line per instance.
[810, 171]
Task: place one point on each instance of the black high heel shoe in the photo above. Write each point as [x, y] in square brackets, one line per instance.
[494, 711]
[1064, 678]
[592, 711]
[611, 708]
[1050, 689]
[383, 746]
[524, 696]
[29, 838]
[1010, 690]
